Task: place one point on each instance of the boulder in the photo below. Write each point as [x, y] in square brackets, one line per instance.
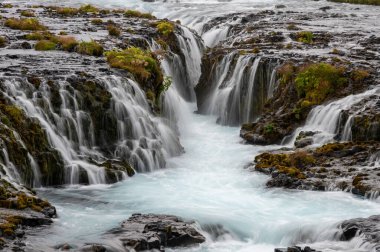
[150, 231]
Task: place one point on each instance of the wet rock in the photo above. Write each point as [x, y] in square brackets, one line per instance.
[332, 166]
[295, 249]
[304, 139]
[148, 231]
[368, 228]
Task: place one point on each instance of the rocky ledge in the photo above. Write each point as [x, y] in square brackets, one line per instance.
[142, 232]
[19, 210]
[351, 167]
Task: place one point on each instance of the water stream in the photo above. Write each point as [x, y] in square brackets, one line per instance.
[208, 182]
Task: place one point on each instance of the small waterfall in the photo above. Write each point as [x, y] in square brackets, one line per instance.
[347, 132]
[325, 119]
[240, 87]
[75, 131]
[100, 121]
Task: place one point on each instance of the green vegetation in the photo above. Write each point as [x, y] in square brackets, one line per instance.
[39, 36]
[292, 164]
[370, 2]
[67, 43]
[91, 48]
[166, 28]
[305, 37]
[7, 5]
[138, 14]
[359, 75]
[142, 64]
[316, 81]
[113, 31]
[66, 11]
[3, 41]
[88, 8]
[24, 24]
[27, 13]
[45, 45]
[269, 128]
[97, 21]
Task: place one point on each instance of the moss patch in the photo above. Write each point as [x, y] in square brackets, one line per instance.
[91, 48]
[24, 24]
[45, 45]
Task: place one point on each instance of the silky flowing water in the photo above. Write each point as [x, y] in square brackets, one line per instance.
[210, 183]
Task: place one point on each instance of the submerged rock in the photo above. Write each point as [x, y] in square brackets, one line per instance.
[149, 231]
[367, 228]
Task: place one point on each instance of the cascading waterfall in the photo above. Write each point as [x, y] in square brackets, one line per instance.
[142, 139]
[239, 97]
[324, 120]
[145, 141]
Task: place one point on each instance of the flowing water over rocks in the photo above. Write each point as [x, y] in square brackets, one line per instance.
[74, 121]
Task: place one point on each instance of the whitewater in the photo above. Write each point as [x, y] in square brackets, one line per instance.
[211, 182]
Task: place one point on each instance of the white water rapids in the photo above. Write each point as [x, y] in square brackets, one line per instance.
[208, 183]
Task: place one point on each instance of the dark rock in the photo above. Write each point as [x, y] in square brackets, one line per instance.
[366, 227]
[148, 231]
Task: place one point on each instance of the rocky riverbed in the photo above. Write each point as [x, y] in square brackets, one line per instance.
[93, 96]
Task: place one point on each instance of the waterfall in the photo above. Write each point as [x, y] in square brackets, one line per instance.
[106, 120]
[325, 119]
[141, 139]
[240, 85]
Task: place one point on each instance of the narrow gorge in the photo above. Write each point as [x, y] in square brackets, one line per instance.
[190, 125]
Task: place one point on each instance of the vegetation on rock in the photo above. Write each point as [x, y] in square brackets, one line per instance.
[305, 37]
[142, 64]
[316, 81]
[91, 48]
[165, 28]
[138, 14]
[24, 24]
[113, 31]
[45, 45]
[3, 41]
[27, 13]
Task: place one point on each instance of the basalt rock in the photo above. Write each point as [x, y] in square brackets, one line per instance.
[351, 167]
[148, 232]
[368, 228]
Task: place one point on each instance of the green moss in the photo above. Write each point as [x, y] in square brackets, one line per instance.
[24, 24]
[67, 43]
[113, 31]
[316, 81]
[358, 75]
[291, 164]
[305, 37]
[66, 11]
[88, 8]
[142, 64]
[7, 5]
[27, 13]
[269, 128]
[91, 48]
[45, 45]
[138, 14]
[97, 21]
[369, 2]
[63, 33]
[165, 28]
[3, 41]
[37, 36]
